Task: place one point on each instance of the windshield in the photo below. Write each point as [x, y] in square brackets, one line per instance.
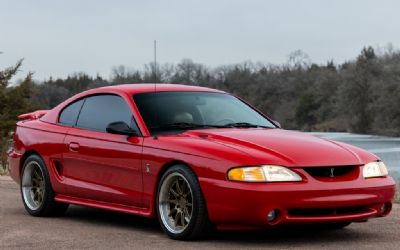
[177, 111]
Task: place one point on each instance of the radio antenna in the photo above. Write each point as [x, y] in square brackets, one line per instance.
[155, 82]
[155, 61]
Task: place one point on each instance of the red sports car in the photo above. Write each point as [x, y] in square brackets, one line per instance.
[193, 157]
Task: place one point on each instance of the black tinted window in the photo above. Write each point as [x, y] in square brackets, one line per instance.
[69, 115]
[99, 111]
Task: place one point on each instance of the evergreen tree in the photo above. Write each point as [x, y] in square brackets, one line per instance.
[14, 100]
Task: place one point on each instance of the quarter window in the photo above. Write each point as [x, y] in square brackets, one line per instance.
[101, 110]
[69, 115]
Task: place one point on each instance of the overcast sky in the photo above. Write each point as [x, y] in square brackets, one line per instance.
[58, 38]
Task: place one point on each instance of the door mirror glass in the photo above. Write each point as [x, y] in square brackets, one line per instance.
[120, 128]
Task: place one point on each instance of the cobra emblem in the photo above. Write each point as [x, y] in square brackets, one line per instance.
[332, 172]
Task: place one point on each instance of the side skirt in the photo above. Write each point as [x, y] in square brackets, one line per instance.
[104, 205]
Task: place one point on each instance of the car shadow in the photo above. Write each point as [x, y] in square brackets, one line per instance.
[290, 236]
[282, 236]
[109, 218]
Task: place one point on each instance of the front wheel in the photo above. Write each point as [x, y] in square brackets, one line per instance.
[181, 208]
[36, 191]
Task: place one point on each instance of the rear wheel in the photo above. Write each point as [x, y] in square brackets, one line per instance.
[181, 208]
[36, 191]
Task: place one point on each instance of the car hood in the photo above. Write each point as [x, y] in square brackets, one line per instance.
[287, 148]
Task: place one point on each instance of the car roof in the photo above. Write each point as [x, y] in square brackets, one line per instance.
[124, 90]
[153, 87]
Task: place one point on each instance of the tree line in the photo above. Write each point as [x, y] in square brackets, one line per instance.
[361, 95]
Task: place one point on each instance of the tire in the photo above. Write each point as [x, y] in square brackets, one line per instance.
[36, 190]
[178, 219]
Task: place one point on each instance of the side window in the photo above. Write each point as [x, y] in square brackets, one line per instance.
[101, 110]
[69, 115]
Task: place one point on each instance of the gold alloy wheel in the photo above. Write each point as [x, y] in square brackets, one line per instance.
[33, 185]
[175, 203]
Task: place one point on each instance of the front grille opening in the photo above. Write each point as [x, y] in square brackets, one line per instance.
[314, 212]
[311, 212]
[352, 210]
[330, 172]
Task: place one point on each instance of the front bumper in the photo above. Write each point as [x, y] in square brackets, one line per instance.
[238, 205]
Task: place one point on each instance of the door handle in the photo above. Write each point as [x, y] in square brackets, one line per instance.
[74, 146]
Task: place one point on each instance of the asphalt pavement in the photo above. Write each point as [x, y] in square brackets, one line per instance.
[87, 228]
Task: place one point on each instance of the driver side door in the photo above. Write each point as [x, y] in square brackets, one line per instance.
[98, 165]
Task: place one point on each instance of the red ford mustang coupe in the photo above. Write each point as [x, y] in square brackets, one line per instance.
[193, 157]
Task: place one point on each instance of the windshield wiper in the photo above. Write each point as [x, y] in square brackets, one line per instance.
[244, 125]
[184, 126]
[188, 126]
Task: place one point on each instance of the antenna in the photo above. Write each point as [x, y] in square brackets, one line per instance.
[155, 82]
[155, 61]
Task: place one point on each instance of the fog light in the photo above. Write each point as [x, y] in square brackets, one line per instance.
[272, 215]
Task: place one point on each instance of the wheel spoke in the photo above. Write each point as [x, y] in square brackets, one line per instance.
[40, 198]
[171, 201]
[174, 193]
[178, 188]
[182, 217]
[184, 188]
[35, 174]
[176, 219]
[187, 219]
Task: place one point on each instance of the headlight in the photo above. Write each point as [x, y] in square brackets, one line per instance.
[375, 169]
[266, 173]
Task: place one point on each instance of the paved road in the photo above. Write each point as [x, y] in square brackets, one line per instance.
[86, 228]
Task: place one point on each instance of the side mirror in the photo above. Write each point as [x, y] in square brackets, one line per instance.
[120, 128]
[277, 124]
